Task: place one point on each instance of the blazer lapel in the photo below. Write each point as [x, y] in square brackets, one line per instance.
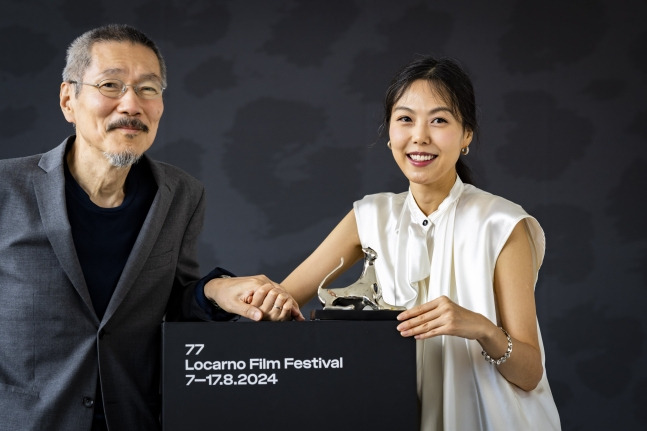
[50, 194]
[145, 240]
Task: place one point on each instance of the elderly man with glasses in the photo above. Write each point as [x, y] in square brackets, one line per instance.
[98, 247]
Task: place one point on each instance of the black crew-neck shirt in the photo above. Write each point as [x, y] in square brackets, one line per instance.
[104, 237]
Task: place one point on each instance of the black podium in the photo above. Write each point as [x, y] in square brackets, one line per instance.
[316, 375]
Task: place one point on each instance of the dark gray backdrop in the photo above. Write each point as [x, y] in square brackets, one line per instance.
[274, 105]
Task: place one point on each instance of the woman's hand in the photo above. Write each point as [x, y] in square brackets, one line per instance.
[442, 316]
[514, 278]
[275, 302]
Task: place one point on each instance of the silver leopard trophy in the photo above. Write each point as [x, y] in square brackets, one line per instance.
[364, 294]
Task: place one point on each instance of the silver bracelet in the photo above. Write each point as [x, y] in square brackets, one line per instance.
[505, 356]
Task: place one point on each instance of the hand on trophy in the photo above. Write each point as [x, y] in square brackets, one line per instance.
[255, 297]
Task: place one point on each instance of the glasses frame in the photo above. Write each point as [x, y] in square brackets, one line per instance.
[124, 88]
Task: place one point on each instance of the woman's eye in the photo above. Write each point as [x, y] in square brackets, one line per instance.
[438, 120]
[404, 119]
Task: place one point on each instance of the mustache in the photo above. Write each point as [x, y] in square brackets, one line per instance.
[132, 123]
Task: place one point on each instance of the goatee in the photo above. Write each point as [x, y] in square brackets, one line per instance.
[122, 160]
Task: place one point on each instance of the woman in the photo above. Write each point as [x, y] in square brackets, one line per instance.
[462, 261]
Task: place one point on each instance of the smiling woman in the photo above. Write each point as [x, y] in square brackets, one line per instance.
[426, 140]
[462, 261]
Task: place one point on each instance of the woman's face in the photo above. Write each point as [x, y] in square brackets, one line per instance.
[426, 138]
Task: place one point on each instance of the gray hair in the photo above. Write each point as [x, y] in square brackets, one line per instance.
[124, 159]
[79, 56]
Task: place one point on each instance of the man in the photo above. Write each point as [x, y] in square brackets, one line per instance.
[98, 246]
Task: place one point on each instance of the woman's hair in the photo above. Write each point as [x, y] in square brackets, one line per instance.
[452, 84]
[79, 53]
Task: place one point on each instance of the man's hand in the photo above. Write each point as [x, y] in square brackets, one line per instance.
[255, 297]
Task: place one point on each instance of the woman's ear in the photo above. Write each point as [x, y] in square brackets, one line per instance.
[467, 137]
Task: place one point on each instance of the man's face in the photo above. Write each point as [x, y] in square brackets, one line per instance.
[116, 126]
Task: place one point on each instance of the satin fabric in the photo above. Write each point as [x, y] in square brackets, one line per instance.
[453, 252]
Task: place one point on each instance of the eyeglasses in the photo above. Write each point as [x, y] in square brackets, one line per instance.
[115, 88]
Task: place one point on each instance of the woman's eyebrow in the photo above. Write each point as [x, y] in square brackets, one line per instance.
[431, 111]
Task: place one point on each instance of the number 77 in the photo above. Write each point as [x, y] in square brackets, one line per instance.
[192, 347]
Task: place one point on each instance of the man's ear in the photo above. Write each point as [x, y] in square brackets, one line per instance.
[67, 98]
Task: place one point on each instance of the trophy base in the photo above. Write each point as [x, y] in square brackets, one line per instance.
[321, 314]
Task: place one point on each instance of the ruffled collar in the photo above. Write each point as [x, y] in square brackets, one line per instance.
[416, 216]
[416, 233]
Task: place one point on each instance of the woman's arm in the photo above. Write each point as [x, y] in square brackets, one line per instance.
[514, 287]
[514, 281]
[342, 242]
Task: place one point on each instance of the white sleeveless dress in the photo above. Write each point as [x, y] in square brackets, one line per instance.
[453, 252]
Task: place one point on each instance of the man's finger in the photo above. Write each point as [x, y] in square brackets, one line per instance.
[252, 313]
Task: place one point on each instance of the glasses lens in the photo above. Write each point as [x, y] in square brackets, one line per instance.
[149, 89]
[115, 88]
[111, 87]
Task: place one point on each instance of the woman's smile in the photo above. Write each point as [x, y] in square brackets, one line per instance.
[421, 159]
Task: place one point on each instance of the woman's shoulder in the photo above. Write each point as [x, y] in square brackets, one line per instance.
[479, 211]
[480, 202]
[383, 203]
[383, 197]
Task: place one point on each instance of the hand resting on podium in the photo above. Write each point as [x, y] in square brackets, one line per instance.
[255, 297]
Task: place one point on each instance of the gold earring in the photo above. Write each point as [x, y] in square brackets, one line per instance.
[465, 150]
[388, 144]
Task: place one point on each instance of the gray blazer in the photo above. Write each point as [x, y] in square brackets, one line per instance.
[50, 337]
